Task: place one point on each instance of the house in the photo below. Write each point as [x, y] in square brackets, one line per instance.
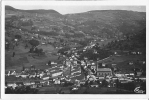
[104, 71]
[53, 63]
[32, 82]
[120, 75]
[37, 82]
[11, 84]
[95, 84]
[130, 76]
[27, 83]
[82, 82]
[45, 77]
[63, 81]
[32, 75]
[7, 73]
[18, 73]
[13, 73]
[143, 78]
[24, 75]
[114, 78]
[139, 73]
[26, 68]
[57, 81]
[41, 74]
[123, 81]
[55, 74]
[100, 77]
[32, 68]
[33, 86]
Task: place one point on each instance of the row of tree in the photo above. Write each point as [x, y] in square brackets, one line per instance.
[21, 90]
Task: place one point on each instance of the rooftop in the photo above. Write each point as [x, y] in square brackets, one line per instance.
[104, 69]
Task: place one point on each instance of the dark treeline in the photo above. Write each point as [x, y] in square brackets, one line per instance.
[132, 42]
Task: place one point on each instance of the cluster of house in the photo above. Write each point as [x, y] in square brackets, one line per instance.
[71, 68]
[59, 75]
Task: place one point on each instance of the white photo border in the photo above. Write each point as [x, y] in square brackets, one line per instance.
[71, 96]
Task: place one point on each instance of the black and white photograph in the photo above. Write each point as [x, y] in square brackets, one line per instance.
[74, 49]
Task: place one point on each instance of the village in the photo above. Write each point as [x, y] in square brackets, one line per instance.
[99, 73]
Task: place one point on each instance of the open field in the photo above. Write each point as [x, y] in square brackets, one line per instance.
[23, 58]
[122, 58]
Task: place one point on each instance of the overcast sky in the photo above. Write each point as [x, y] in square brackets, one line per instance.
[66, 7]
[77, 9]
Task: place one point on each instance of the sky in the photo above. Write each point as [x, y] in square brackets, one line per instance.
[67, 7]
[77, 9]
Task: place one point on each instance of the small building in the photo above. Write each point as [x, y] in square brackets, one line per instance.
[139, 73]
[120, 75]
[11, 84]
[130, 76]
[114, 78]
[32, 82]
[63, 81]
[24, 75]
[57, 81]
[26, 68]
[56, 74]
[82, 82]
[33, 86]
[104, 71]
[100, 77]
[37, 82]
[45, 77]
[26, 83]
[95, 84]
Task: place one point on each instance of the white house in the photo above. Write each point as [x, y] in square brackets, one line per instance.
[57, 81]
[11, 84]
[27, 83]
[56, 74]
[25, 75]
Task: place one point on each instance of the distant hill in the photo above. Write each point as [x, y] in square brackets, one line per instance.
[116, 24]
[109, 23]
[9, 8]
[38, 11]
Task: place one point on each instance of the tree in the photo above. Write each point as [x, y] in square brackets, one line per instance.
[31, 50]
[13, 54]
[49, 63]
[104, 83]
[34, 42]
[63, 50]
[9, 90]
[117, 83]
[130, 86]
[7, 46]
[18, 36]
[144, 70]
[143, 86]
[38, 51]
